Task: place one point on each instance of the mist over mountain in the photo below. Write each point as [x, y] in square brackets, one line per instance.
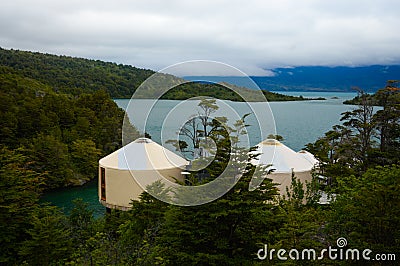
[319, 78]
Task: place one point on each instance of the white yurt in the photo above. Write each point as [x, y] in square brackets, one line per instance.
[284, 161]
[141, 161]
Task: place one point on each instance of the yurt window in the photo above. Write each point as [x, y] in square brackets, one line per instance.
[103, 183]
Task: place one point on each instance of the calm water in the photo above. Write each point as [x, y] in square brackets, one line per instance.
[298, 122]
[63, 197]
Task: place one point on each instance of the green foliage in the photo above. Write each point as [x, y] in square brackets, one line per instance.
[225, 231]
[365, 139]
[48, 240]
[76, 75]
[81, 221]
[367, 212]
[50, 156]
[83, 228]
[387, 121]
[85, 156]
[381, 128]
[19, 195]
[139, 231]
[302, 219]
[379, 98]
[361, 159]
[63, 136]
[49, 139]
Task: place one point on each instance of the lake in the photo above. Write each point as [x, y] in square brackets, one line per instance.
[298, 122]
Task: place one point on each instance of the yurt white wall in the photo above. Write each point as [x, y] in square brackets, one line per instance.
[119, 187]
[285, 180]
[284, 161]
[142, 160]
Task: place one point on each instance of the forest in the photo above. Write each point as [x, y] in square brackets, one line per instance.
[61, 135]
[52, 137]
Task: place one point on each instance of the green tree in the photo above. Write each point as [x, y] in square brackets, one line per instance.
[208, 107]
[198, 129]
[367, 211]
[388, 123]
[85, 157]
[225, 231]
[19, 195]
[229, 229]
[335, 151]
[360, 121]
[50, 156]
[81, 221]
[301, 217]
[142, 225]
[83, 228]
[48, 240]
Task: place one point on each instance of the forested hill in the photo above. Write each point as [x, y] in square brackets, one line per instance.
[61, 136]
[67, 73]
[77, 75]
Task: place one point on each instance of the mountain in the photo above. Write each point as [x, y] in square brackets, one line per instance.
[318, 78]
[368, 78]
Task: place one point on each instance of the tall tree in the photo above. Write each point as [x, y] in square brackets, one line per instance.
[226, 230]
[19, 195]
[208, 107]
[388, 119]
[361, 122]
[197, 129]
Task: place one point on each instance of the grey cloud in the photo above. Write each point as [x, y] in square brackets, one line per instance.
[251, 35]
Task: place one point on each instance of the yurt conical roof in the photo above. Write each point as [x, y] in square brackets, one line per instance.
[309, 157]
[282, 158]
[143, 154]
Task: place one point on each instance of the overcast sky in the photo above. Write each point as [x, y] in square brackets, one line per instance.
[250, 35]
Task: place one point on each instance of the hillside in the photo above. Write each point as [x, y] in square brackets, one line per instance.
[78, 75]
[62, 136]
[66, 73]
